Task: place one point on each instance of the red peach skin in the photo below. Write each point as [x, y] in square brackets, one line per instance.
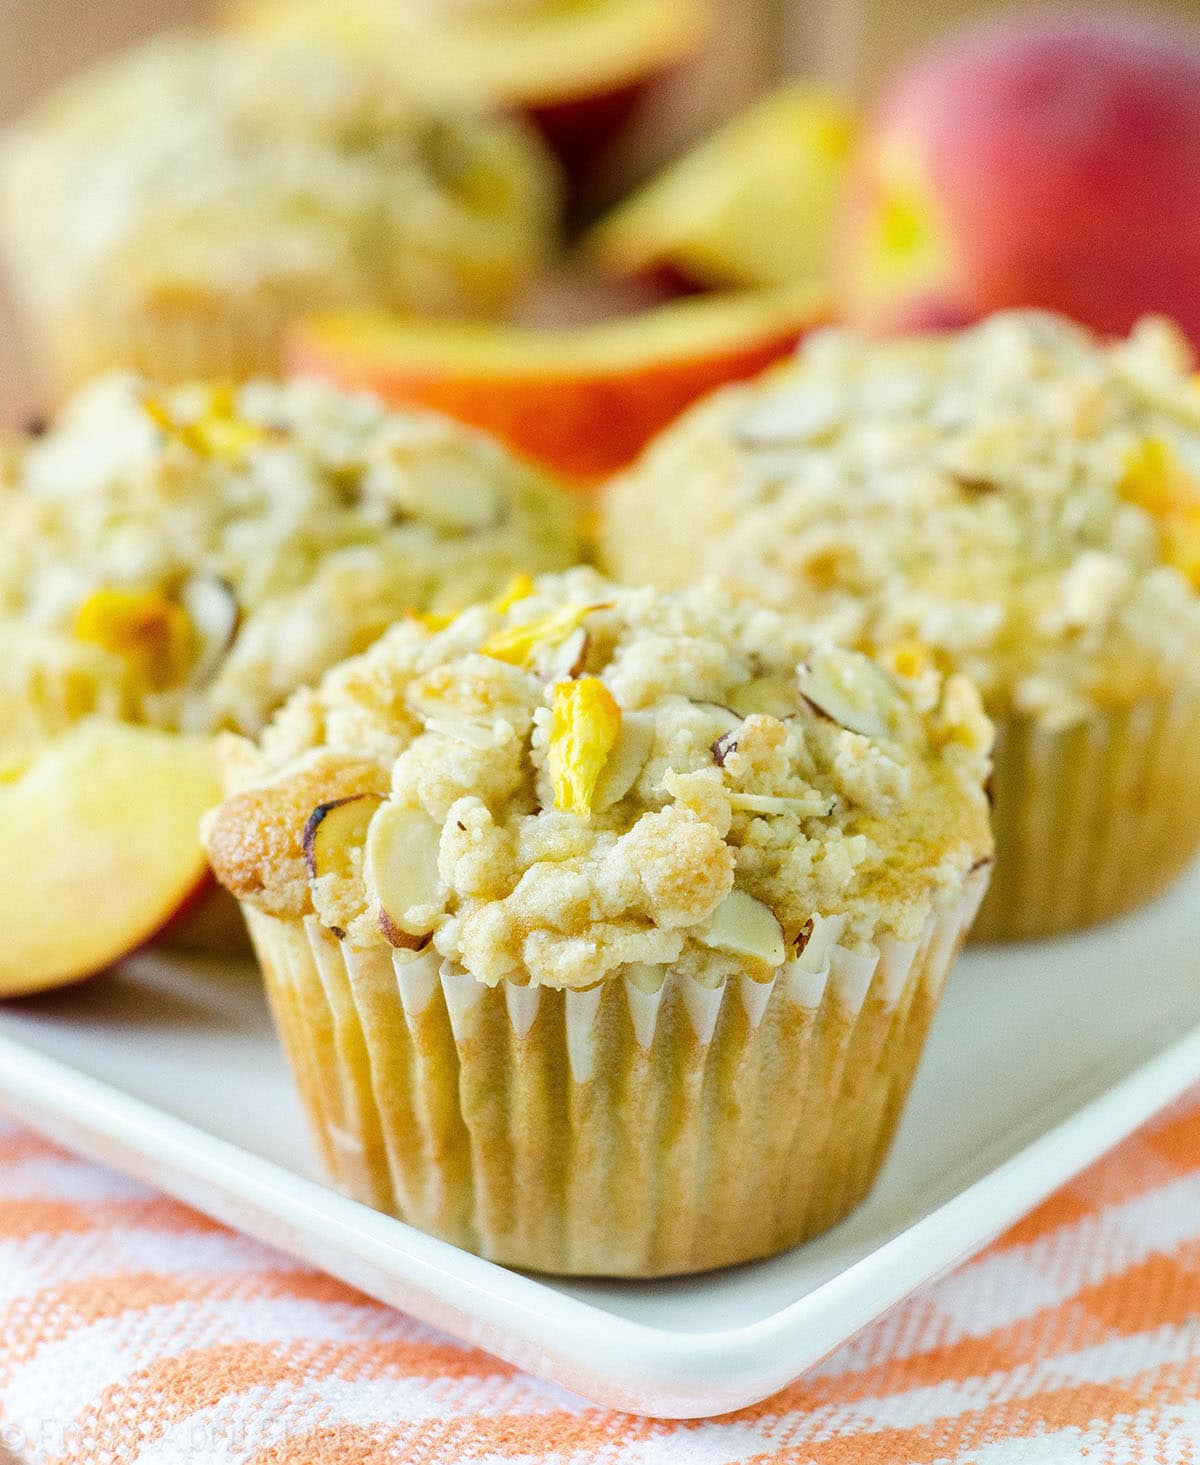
[1039, 162]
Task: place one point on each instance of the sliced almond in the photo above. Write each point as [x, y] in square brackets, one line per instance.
[335, 829]
[851, 690]
[723, 713]
[474, 734]
[646, 976]
[629, 756]
[331, 834]
[744, 926]
[798, 416]
[522, 643]
[803, 806]
[401, 871]
[562, 661]
[448, 492]
[212, 607]
[772, 696]
[815, 940]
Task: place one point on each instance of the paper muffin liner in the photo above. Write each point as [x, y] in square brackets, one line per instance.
[609, 1131]
[1094, 819]
[210, 341]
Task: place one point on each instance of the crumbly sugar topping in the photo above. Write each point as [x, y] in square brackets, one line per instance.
[192, 556]
[580, 781]
[1017, 500]
[195, 165]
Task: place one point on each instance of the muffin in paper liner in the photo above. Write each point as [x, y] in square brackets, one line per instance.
[175, 208]
[609, 1131]
[185, 558]
[583, 957]
[1019, 502]
[1092, 820]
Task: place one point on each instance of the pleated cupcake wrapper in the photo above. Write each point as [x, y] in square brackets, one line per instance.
[611, 1131]
[1094, 819]
[211, 342]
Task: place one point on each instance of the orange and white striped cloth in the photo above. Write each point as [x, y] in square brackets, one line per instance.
[134, 1332]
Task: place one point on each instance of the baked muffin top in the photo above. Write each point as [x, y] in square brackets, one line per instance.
[1017, 500]
[195, 554]
[581, 781]
[196, 166]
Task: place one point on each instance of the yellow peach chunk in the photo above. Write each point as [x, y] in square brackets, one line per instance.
[909, 659]
[519, 644]
[585, 721]
[431, 620]
[1155, 479]
[1181, 541]
[218, 433]
[152, 634]
[519, 587]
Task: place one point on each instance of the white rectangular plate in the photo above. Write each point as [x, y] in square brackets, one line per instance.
[1041, 1057]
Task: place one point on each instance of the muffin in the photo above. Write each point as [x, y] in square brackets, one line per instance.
[187, 557]
[171, 210]
[603, 927]
[1018, 502]
[184, 559]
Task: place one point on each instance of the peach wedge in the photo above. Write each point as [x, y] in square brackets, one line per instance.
[754, 204]
[583, 401]
[98, 847]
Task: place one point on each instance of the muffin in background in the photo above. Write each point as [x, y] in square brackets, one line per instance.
[187, 557]
[172, 209]
[1018, 502]
[603, 927]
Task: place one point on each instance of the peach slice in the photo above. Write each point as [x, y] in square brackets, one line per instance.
[754, 204]
[578, 68]
[99, 847]
[583, 401]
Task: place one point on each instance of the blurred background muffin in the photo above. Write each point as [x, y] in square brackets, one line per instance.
[179, 561]
[205, 550]
[577, 68]
[171, 210]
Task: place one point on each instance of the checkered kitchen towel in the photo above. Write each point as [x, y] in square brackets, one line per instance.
[134, 1332]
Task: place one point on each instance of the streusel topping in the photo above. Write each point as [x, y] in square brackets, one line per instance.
[1017, 500]
[189, 557]
[581, 780]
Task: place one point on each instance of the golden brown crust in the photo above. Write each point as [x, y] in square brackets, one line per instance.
[254, 839]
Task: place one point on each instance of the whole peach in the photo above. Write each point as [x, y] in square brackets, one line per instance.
[1037, 161]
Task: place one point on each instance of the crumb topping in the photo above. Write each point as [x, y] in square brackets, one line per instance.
[203, 551]
[1017, 500]
[197, 166]
[618, 804]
